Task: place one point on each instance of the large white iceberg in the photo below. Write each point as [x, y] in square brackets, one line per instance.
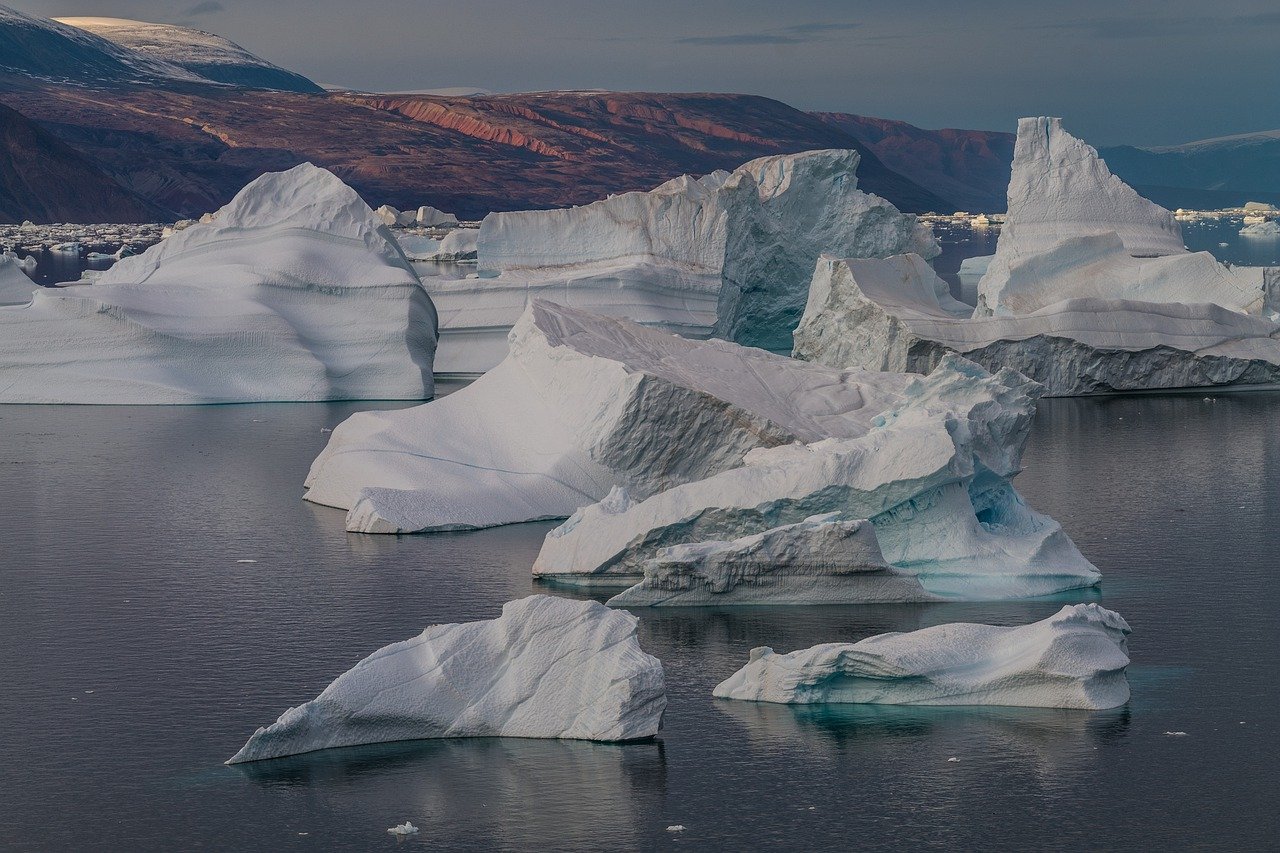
[728, 254]
[16, 287]
[932, 475]
[1090, 290]
[581, 404]
[546, 668]
[294, 292]
[1074, 659]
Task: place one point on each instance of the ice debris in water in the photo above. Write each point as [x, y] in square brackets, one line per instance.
[405, 828]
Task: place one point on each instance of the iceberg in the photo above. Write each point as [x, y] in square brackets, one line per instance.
[295, 292]
[1074, 659]
[392, 217]
[430, 216]
[931, 474]
[16, 287]
[1104, 300]
[821, 560]
[546, 668]
[728, 254]
[895, 314]
[582, 403]
[1268, 228]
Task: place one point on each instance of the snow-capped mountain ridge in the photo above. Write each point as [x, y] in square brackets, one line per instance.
[206, 54]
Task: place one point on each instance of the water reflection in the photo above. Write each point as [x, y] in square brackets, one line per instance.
[494, 792]
[1051, 740]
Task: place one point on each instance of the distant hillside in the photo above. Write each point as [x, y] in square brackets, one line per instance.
[190, 149]
[45, 180]
[210, 56]
[969, 167]
[1227, 171]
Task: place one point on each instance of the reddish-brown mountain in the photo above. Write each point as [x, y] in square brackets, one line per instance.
[46, 180]
[189, 148]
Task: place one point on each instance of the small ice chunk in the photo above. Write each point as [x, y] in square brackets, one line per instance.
[405, 828]
[678, 827]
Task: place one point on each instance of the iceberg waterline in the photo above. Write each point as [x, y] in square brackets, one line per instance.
[293, 292]
[932, 476]
[546, 668]
[1074, 659]
[1090, 290]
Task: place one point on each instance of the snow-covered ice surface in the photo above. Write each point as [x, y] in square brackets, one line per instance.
[895, 314]
[210, 56]
[294, 293]
[821, 560]
[1090, 290]
[728, 253]
[1270, 228]
[932, 475]
[546, 668]
[1074, 659]
[581, 404]
[16, 287]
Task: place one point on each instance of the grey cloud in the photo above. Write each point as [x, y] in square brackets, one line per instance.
[207, 7]
[795, 34]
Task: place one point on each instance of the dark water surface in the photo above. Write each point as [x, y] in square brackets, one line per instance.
[137, 655]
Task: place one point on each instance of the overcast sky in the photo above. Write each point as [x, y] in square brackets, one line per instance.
[1149, 72]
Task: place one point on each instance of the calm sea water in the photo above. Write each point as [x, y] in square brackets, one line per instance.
[138, 655]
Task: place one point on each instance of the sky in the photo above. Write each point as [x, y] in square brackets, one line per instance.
[1149, 72]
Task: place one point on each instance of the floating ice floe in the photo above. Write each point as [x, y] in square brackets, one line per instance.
[430, 216]
[581, 404]
[16, 287]
[294, 292]
[728, 254]
[1266, 228]
[931, 476]
[1074, 659]
[546, 668]
[405, 828]
[1090, 290]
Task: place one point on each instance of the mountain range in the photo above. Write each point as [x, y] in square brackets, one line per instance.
[162, 121]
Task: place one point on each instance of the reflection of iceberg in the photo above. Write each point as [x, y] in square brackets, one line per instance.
[1052, 739]
[489, 793]
[1090, 290]
[1074, 659]
[547, 667]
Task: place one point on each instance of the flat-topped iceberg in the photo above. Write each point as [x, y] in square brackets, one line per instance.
[581, 404]
[294, 292]
[728, 254]
[895, 314]
[932, 475]
[821, 560]
[1074, 659]
[1090, 290]
[546, 668]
